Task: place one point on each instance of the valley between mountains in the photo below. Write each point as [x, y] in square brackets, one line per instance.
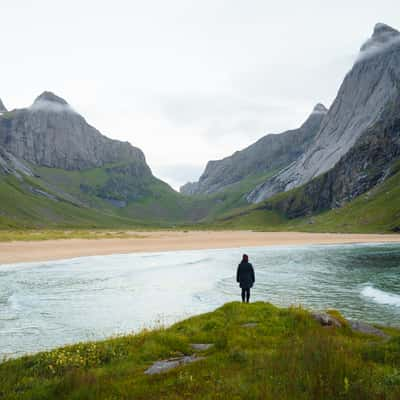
[338, 172]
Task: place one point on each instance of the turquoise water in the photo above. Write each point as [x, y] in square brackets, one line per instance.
[49, 304]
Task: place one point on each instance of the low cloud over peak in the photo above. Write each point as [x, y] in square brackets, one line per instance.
[384, 37]
[50, 102]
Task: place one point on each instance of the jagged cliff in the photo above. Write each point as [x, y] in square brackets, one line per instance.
[2, 107]
[271, 152]
[368, 91]
[371, 160]
[50, 133]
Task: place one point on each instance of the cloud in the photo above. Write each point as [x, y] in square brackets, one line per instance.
[378, 45]
[221, 116]
[50, 106]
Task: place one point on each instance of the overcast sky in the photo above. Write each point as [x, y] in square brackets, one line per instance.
[186, 81]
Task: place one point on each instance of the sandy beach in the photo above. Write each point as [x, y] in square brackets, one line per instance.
[19, 251]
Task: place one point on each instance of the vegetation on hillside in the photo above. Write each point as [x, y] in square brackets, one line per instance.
[106, 198]
[285, 354]
[54, 202]
[377, 211]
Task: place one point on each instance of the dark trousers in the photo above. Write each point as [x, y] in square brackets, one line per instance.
[245, 295]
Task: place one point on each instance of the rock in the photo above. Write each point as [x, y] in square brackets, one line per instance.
[250, 325]
[42, 193]
[11, 165]
[367, 329]
[369, 91]
[269, 153]
[326, 319]
[201, 346]
[189, 188]
[165, 365]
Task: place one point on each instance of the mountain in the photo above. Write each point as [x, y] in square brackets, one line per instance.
[272, 152]
[57, 170]
[368, 91]
[372, 159]
[50, 133]
[3, 109]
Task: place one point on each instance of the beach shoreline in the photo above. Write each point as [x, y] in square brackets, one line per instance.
[161, 241]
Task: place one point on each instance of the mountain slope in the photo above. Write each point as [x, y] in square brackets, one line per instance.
[270, 153]
[52, 156]
[367, 91]
[376, 210]
[25, 204]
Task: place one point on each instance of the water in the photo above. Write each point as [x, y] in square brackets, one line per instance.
[49, 304]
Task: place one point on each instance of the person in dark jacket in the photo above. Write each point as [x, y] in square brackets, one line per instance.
[245, 277]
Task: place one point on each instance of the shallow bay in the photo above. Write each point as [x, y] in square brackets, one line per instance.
[48, 304]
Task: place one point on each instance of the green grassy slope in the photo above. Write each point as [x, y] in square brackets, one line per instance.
[86, 199]
[82, 204]
[21, 209]
[287, 355]
[375, 211]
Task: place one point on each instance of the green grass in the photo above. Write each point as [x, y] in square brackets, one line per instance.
[22, 209]
[286, 356]
[82, 204]
[377, 211]
[160, 207]
[38, 235]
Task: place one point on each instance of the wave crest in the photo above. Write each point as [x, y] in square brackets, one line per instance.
[380, 296]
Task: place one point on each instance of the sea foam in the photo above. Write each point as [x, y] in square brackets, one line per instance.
[380, 296]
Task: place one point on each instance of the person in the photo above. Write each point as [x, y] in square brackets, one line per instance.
[245, 277]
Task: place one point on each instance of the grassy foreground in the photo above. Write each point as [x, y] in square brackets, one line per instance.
[287, 355]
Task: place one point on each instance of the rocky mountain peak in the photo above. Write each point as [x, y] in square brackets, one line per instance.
[48, 101]
[51, 134]
[319, 109]
[2, 107]
[269, 153]
[50, 97]
[370, 88]
[381, 29]
[382, 37]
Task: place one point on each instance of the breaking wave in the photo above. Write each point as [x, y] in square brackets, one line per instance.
[380, 296]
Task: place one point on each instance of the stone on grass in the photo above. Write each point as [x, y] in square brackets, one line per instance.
[326, 320]
[367, 329]
[250, 325]
[201, 346]
[165, 365]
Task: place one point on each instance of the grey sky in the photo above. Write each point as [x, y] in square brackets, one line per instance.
[186, 81]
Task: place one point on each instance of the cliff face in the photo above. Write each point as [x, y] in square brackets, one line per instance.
[2, 107]
[50, 133]
[11, 165]
[369, 162]
[267, 154]
[368, 91]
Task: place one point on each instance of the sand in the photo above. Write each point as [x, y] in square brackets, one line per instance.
[18, 251]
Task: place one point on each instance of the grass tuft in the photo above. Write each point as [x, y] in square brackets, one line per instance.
[287, 355]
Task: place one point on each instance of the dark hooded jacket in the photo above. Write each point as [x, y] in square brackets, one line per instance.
[245, 275]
